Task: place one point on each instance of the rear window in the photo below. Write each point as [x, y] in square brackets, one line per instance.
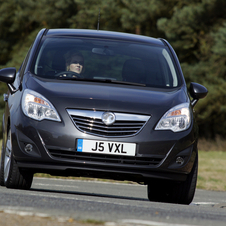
[97, 59]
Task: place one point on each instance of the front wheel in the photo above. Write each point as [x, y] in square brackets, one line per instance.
[10, 175]
[174, 192]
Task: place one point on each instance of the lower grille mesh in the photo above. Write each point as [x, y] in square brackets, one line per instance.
[116, 159]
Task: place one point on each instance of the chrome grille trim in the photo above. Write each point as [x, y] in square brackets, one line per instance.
[91, 122]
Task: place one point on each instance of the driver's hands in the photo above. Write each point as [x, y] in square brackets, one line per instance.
[65, 75]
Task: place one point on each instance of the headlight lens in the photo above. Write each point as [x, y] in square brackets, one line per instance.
[36, 106]
[176, 119]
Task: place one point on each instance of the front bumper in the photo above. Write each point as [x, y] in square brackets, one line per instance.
[54, 152]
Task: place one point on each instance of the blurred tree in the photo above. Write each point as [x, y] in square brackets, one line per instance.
[195, 28]
[21, 20]
[197, 32]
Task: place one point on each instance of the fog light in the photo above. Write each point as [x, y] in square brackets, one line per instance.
[28, 148]
[180, 160]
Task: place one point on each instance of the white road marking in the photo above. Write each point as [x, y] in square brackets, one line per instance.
[204, 203]
[55, 185]
[28, 212]
[91, 181]
[151, 223]
[32, 212]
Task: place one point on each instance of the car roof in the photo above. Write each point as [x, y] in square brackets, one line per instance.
[103, 34]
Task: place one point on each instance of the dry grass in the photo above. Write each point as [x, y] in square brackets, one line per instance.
[212, 164]
[212, 170]
[219, 144]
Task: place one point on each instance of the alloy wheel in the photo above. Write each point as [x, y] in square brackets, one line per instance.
[8, 154]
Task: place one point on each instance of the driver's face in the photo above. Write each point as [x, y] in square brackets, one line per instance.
[76, 64]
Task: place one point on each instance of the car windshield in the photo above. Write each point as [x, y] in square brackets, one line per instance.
[105, 60]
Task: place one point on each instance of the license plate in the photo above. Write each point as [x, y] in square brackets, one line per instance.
[104, 147]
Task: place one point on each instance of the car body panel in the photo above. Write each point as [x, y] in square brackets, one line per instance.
[55, 143]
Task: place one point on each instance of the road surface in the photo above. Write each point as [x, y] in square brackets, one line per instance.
[118, 203]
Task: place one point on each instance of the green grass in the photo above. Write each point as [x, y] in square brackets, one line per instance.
[212, 167]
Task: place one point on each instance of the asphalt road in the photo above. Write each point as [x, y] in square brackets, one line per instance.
[119, 203]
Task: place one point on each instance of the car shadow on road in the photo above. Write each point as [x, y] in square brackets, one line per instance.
[89, 194]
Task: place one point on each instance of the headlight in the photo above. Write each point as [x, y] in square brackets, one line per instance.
[36, 106]
[176, 119]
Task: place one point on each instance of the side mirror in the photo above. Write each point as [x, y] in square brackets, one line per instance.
[8, 76]
[197, 92]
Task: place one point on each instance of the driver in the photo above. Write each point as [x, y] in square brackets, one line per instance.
[75, 62]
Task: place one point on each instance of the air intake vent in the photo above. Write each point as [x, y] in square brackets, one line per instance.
[111, 159]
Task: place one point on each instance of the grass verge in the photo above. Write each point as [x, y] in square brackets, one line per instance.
[212, 170]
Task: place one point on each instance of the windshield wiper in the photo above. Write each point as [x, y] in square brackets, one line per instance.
[101, 80]
[123, 82]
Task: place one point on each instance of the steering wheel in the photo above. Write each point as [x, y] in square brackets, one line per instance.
[67, 74]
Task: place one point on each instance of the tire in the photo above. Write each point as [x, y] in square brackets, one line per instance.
[174, 192]
[156, 190]
[10, 175]
[185, 191]
[2, 183]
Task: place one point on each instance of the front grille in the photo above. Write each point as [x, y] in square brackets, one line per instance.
[91, 122]
[114, 159]
[96, 126]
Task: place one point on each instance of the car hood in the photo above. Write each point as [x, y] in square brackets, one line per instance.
[107, 97]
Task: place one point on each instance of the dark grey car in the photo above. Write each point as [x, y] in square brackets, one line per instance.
[105, 105]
